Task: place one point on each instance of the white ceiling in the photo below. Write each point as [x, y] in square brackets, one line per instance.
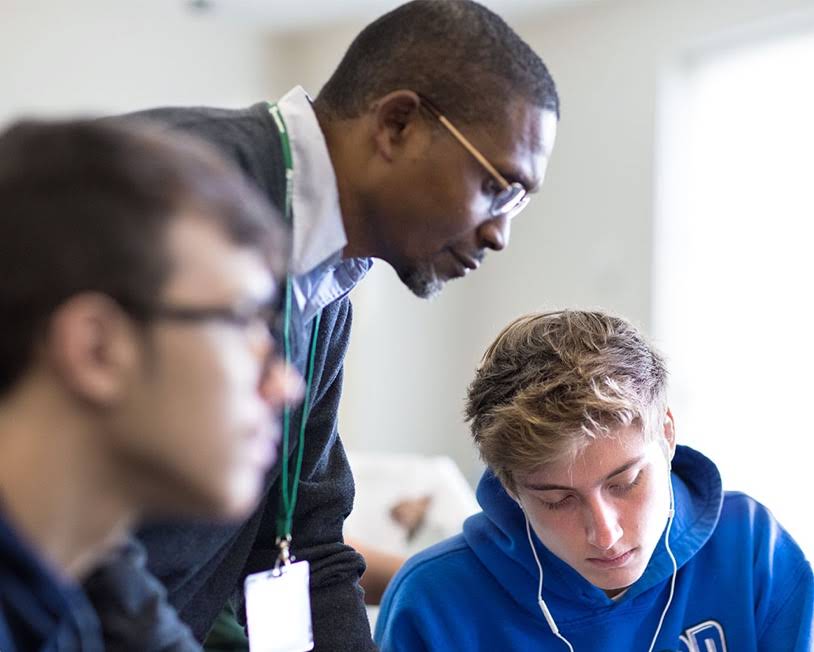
[286, 15]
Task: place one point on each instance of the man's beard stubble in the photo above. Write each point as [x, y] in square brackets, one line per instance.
[422, 280]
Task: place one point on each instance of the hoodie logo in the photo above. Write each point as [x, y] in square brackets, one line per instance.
[704, 637]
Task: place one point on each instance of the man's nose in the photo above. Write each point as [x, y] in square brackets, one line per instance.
[280, 383]
[494, 233]
[602, 525]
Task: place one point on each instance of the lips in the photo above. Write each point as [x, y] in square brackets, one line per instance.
[469, 262]
[613, 561]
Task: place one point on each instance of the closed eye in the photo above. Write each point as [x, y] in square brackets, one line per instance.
[620, 489]
[559, 504]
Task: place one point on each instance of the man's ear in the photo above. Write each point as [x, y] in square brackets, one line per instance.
[396, 118]
[92, 346]
[669, 435]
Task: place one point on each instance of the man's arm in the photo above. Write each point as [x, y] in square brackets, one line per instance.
[325, 498]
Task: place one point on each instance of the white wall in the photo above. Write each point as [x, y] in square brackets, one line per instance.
[114, 56]
[586, 241]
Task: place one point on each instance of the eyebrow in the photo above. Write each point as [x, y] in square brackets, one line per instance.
[557, 487]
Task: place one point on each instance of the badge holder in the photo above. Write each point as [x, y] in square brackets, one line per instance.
[278, 606]
[278, 602]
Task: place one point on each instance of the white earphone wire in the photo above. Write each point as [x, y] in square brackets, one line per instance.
[540, 602]
[675, 566]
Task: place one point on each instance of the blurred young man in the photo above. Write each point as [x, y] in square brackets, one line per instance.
[598, 532]
[430, 136]
[137, 374]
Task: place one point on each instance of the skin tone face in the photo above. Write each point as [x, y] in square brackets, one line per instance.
[425, 200]
[604, 513]
[200, 426]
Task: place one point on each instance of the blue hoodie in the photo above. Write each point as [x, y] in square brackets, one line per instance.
[743, 584]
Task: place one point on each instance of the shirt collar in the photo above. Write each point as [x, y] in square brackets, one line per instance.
[319, 234]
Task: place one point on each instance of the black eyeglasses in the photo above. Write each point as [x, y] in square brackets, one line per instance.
[513, 197]
[245, 316]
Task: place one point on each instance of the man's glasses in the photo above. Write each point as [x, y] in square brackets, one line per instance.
[513, 197]
[250, 317]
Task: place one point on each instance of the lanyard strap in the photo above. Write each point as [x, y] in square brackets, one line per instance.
[288, 492]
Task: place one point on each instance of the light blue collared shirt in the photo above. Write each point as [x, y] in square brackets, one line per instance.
[320, 274]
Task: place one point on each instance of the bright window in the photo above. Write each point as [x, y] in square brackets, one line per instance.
[734, 267]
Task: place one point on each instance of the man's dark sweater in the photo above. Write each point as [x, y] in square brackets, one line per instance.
[203, 566]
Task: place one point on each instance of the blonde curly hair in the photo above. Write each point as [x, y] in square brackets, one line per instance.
[553, 382]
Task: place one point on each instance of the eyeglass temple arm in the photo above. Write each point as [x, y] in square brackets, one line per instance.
[471, 149]
[464, 141]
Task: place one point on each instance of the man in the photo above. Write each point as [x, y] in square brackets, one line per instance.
[428, 138]
[136, 370]
[597, 532]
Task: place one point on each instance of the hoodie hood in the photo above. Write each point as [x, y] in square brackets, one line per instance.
[498, 538]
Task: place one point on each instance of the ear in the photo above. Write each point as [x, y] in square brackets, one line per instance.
[93, 348]
[669, 435]
[397, 118]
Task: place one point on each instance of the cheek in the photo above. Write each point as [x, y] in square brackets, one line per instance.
[559, 531]
[225, 370]
[219, 420]
[213, 400]
[453, 205]
[230, 402]
[647, 518]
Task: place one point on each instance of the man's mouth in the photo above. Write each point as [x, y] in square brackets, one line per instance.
[613, 561]
[469, 262]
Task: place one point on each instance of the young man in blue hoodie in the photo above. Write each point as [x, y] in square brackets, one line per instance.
[598, 532]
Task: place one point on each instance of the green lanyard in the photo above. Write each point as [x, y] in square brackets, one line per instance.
[288, 493]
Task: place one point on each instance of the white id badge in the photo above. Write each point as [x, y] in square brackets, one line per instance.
[278, 610]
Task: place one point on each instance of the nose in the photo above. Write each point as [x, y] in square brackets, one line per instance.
[602, 524]
[280, 383]
[494, 233]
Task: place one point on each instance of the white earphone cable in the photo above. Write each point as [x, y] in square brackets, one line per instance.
[675, 567]
[540, 602]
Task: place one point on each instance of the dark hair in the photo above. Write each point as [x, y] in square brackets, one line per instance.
[458, 53]
[84, 207]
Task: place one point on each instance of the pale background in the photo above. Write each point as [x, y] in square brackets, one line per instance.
[636, 216]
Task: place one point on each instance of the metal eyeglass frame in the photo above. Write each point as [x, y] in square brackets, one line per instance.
[513, 197]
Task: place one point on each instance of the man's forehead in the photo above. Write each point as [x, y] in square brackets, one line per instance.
[595, 461]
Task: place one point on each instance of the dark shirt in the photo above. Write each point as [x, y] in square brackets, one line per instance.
[204, 566]
[39, 612]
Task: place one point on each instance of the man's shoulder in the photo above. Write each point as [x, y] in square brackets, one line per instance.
[431, 587]
[748, 526]
[248, 137]
[437, 565]
[745, 511]
[202, 117]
